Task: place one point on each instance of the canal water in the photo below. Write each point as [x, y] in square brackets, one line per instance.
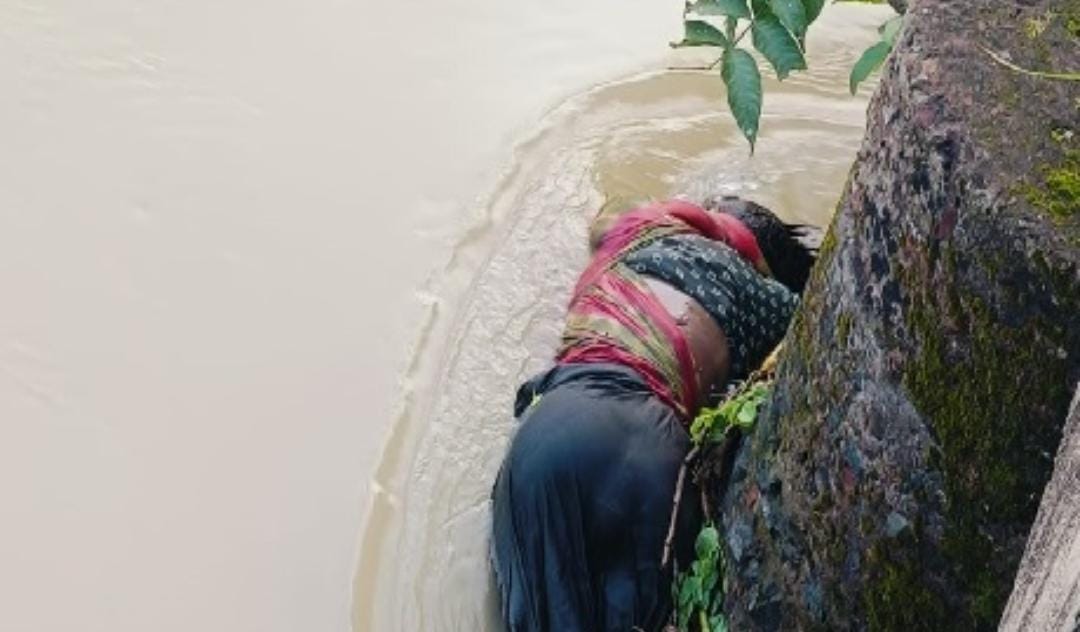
[271, 273]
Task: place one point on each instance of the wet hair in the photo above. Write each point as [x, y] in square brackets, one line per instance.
[789, 249]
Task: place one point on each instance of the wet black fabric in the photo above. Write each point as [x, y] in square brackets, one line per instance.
[582, 504]
[752, 310]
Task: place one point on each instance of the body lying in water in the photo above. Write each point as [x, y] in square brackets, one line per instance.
[676, 302]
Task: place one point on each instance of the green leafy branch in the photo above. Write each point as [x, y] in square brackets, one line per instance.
[739, 411]
[700, 591]
[777, 31]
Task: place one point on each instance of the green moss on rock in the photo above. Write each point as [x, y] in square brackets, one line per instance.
[828, 244]
[843, 326]
[900, 599]
[927, 371]
[1059, 193]
[1070, 17]
[978, 405]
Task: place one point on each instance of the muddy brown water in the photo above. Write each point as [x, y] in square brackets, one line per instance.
[424, 557]
[271, 273]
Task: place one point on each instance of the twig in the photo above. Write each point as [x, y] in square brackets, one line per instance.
[666, 557]
[739, 37]
[763, 373]
[727, 453]
[715, 63]
[705, 508]
[694, 68]
[1058, 76]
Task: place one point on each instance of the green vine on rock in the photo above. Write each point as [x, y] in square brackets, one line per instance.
[738, 411]
[699, 592]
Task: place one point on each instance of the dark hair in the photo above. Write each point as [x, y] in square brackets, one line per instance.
[789, 249]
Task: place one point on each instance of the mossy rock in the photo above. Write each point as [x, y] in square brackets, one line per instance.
[892, 481]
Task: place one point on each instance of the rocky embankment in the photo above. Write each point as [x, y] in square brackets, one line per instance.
[894, 479]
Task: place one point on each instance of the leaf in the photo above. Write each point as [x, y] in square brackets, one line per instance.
[686, 593]
[778, 46]
[714, 608]
[710, 583]
[813, 9]
[733, 8]
[684, 608]
[729, 408]
[871, 60]
[748, 414]
[708, 542]
[693, 588]
[684, 618]
[699, 33]
[891, 28]
[743, 81]
[704, 425]
[792, 15]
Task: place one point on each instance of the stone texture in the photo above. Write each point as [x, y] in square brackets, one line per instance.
[892, 482]
[1047, 591]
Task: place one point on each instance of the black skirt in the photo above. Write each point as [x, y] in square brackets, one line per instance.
[583, 502]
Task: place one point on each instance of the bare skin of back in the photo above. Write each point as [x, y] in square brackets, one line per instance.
[708, 344]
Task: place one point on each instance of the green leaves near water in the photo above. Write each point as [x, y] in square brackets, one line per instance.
[743, 81]
[732, 8]
[700, 33]
[791, 13]
[873, 57]
[776, 28]
[891, 29]
[778, 32]
[871, 60]
[777, 45]
[813, 10]
[700, 591]
[739, 411]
